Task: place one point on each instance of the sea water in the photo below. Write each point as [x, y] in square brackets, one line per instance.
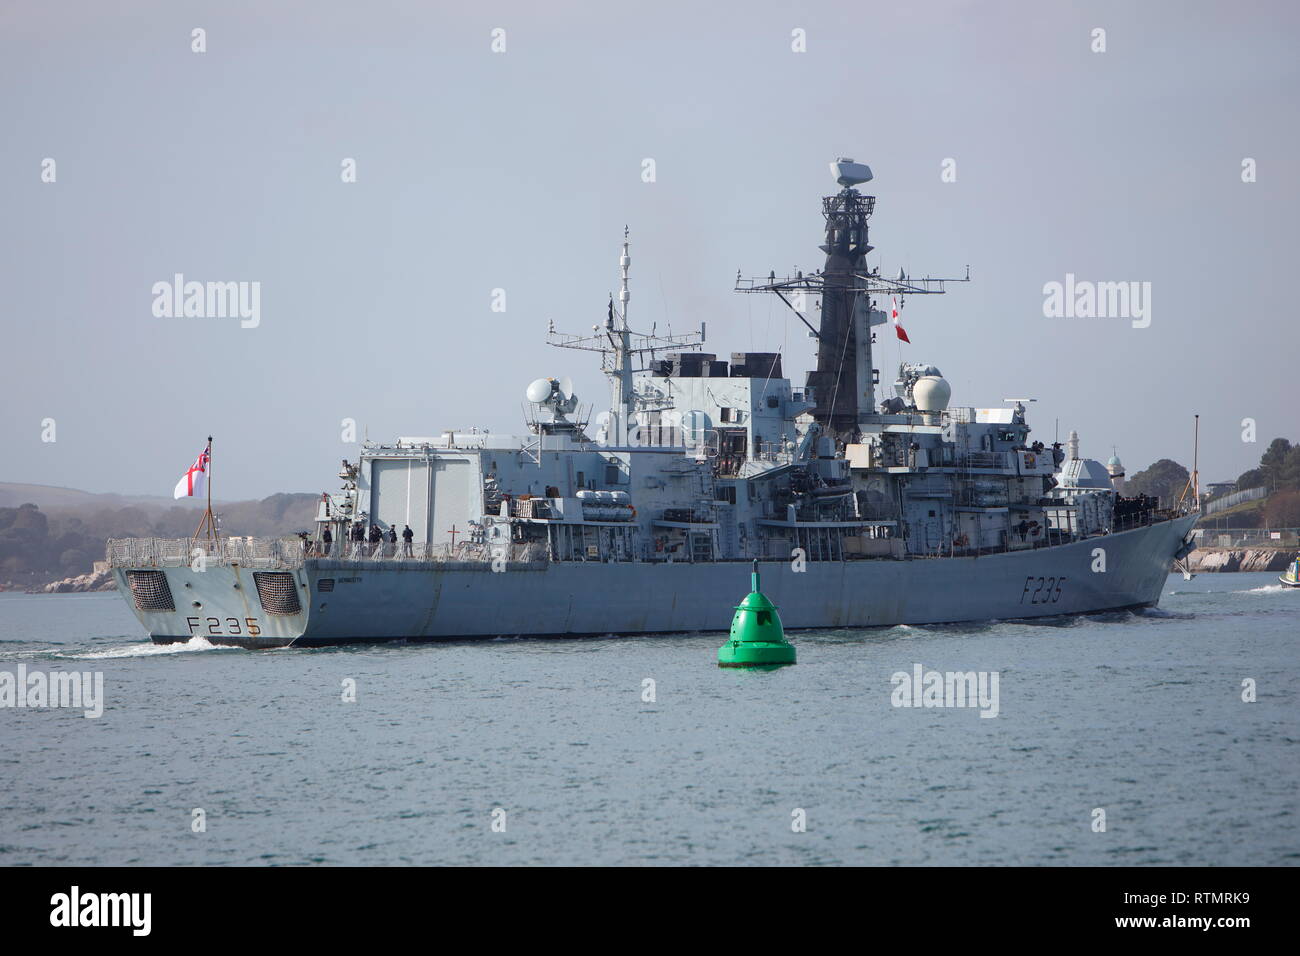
[1170, 736]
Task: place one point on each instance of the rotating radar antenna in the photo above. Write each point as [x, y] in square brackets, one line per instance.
[555, 395]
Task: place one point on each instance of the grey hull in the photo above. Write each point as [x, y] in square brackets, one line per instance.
[395, 600]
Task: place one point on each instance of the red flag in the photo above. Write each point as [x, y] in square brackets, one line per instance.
[898, 329]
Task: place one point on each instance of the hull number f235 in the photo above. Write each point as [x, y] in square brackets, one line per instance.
[1041, 590]
[223, 627]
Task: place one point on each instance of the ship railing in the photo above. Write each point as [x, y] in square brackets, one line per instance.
[463, 551]
[1249, 537]
[280, 553]
[289, 553]
[983, 459]
[773, 452]
[1010, 539]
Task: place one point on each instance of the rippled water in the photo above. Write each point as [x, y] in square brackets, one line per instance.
[1140, 715]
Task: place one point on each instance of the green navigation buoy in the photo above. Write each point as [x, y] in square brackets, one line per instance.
[757, 638]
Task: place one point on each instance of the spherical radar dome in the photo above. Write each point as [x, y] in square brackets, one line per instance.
[539, 390]
[931, 393]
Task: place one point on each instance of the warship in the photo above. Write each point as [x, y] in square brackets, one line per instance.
[865, 505]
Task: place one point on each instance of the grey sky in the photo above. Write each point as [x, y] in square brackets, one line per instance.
[518, 170]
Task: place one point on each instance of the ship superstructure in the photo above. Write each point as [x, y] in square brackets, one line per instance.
[872, 506]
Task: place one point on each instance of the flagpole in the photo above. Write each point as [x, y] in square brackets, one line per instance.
[207, 521]
[211, 523]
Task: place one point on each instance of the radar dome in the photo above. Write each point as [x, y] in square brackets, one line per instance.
[539, 391]
[931, 393]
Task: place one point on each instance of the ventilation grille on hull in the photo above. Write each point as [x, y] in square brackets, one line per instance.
[150, 590]
[277, 591]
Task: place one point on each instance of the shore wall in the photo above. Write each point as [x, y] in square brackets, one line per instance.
[1204, 560]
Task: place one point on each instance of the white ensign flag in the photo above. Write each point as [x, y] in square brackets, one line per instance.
[194, 481]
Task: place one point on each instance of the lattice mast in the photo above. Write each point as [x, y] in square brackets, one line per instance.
[840, 349]
[843, 382]
[620, 349]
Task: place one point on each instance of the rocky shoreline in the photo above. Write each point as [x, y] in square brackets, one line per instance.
[1206, 560]
[94, 581]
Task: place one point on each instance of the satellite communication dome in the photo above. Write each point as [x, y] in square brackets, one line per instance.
[539, 391]
[931, 393]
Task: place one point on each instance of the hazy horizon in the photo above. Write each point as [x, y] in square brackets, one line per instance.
[479, 170]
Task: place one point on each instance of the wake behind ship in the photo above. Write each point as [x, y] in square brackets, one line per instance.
[865, 508]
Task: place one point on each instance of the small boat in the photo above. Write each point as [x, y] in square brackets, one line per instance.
[1291, 576]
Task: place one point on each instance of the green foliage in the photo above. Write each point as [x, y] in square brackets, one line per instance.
[1247, 514]
[1288, 471]
[74, 561]
[68, 541]
[1165, 479]
[1279, 468]
[1282, 510]
[1272, 460]
[1250, 479]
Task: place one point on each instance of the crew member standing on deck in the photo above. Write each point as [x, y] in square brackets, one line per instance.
[326, 540]
[407, 535]
[392, 540]
[376, 536]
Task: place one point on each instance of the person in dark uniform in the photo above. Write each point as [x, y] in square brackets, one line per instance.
[327, 539]
[358, 538]
[392, 541]
[376, 536]
[407, 535]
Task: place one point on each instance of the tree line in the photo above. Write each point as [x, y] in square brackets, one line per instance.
[1278, 471]
[36, 546]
